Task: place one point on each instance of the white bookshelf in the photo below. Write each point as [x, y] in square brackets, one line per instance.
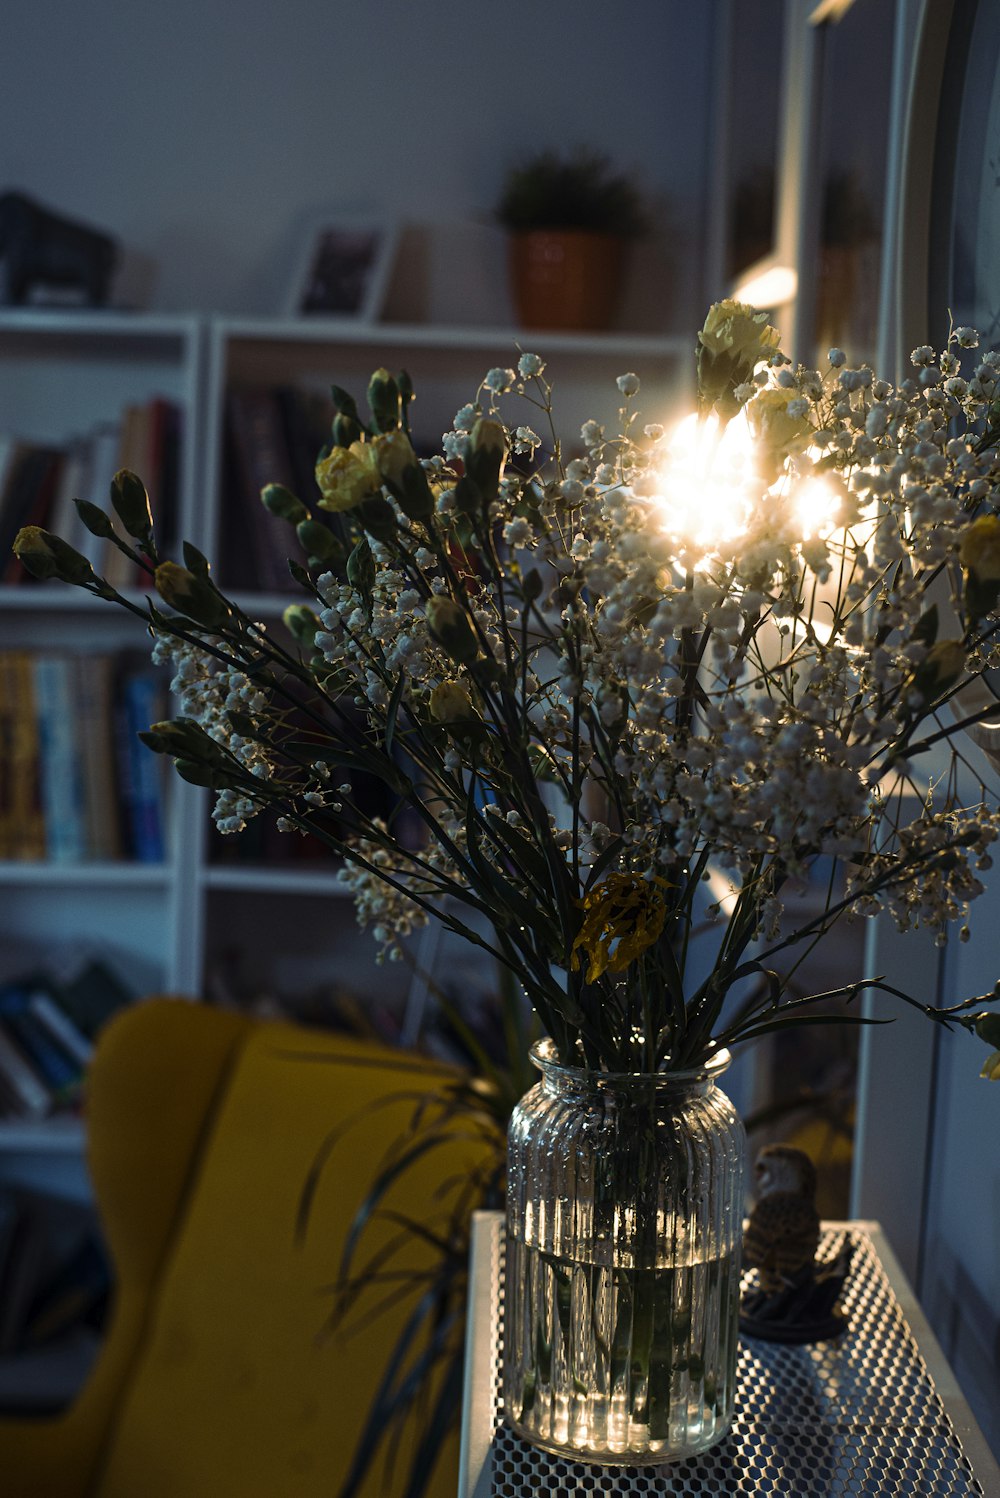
[169, 926]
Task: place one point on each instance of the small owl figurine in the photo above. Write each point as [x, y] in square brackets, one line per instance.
[782, 1235]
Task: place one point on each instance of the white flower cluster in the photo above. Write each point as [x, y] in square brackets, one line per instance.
[207, 691]
[742, 695]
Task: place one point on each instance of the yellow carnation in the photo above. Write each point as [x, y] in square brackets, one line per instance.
[777, 431]
[394, 455]
[449, 701]
[979, 551]
[347, 476]
[739, 330]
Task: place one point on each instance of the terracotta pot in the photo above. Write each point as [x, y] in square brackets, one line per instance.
[566, 278]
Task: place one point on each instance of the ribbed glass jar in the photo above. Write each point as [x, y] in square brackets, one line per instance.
[621, 1283]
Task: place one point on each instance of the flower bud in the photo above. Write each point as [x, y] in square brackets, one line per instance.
[346, 429]
[45, 555]
[174, 736]
[403, 475]
[131, 504]
[361, 568]
[383, 401]
[94, 519]
[301, 623]
[32, 549]
[190, 595]
[318, 541]
[486, 456]
[283, 503]
[449, 624]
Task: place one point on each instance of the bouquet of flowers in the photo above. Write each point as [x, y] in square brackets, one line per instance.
[594, 673]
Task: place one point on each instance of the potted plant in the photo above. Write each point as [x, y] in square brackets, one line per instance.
[569, 220]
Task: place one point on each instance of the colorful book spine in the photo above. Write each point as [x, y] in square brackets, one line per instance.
[94, 696]
[140, 772]
[25, 824]
[62, 793]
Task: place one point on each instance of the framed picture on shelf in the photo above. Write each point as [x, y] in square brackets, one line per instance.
[344, 269]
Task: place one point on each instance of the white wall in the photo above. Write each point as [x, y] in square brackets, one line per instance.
[204, 134]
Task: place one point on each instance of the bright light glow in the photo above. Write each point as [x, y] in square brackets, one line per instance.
[774, 287]
[702, 495]
[817, 508]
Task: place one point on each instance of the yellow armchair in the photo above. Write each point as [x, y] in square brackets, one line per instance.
[213, 1381]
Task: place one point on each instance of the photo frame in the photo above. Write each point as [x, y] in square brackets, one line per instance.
[344, 268]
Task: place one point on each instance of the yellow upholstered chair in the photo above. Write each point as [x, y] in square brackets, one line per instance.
[213, 1381]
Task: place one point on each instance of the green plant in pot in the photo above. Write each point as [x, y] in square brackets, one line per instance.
[570, 219]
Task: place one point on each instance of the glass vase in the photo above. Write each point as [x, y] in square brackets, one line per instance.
[621, 1283]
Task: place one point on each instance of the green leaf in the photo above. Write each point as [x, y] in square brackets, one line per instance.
[603, 860]
[926, 628]
[511, 907]
[392, 711]
[802, 1019]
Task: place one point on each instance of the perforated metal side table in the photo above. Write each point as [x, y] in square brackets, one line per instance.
[876, 1412]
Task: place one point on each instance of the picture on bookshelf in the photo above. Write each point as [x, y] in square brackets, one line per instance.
[346, 268]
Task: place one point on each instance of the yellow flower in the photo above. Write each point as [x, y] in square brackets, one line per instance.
[449, 701]
[394, 455]
[991, 1068]
[776, 431]
[347, 476]
[979, 551]
[739, 330]
[623, 915]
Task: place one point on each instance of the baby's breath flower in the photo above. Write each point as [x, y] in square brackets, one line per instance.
[499, 380]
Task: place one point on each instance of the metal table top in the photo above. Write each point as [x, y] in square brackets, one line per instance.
[876, 1412]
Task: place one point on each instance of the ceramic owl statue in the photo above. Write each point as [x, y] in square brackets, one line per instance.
[795, 1296]
[782, 1235]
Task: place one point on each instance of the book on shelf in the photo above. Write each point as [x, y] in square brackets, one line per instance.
[76, 782]
[60, 1025]
[23, 1094]
[60, 764]
[140, 772]
[95, 703]
[59, 1072]
[40, 481]
[22, 821]
[260, 456]
[26, 499]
